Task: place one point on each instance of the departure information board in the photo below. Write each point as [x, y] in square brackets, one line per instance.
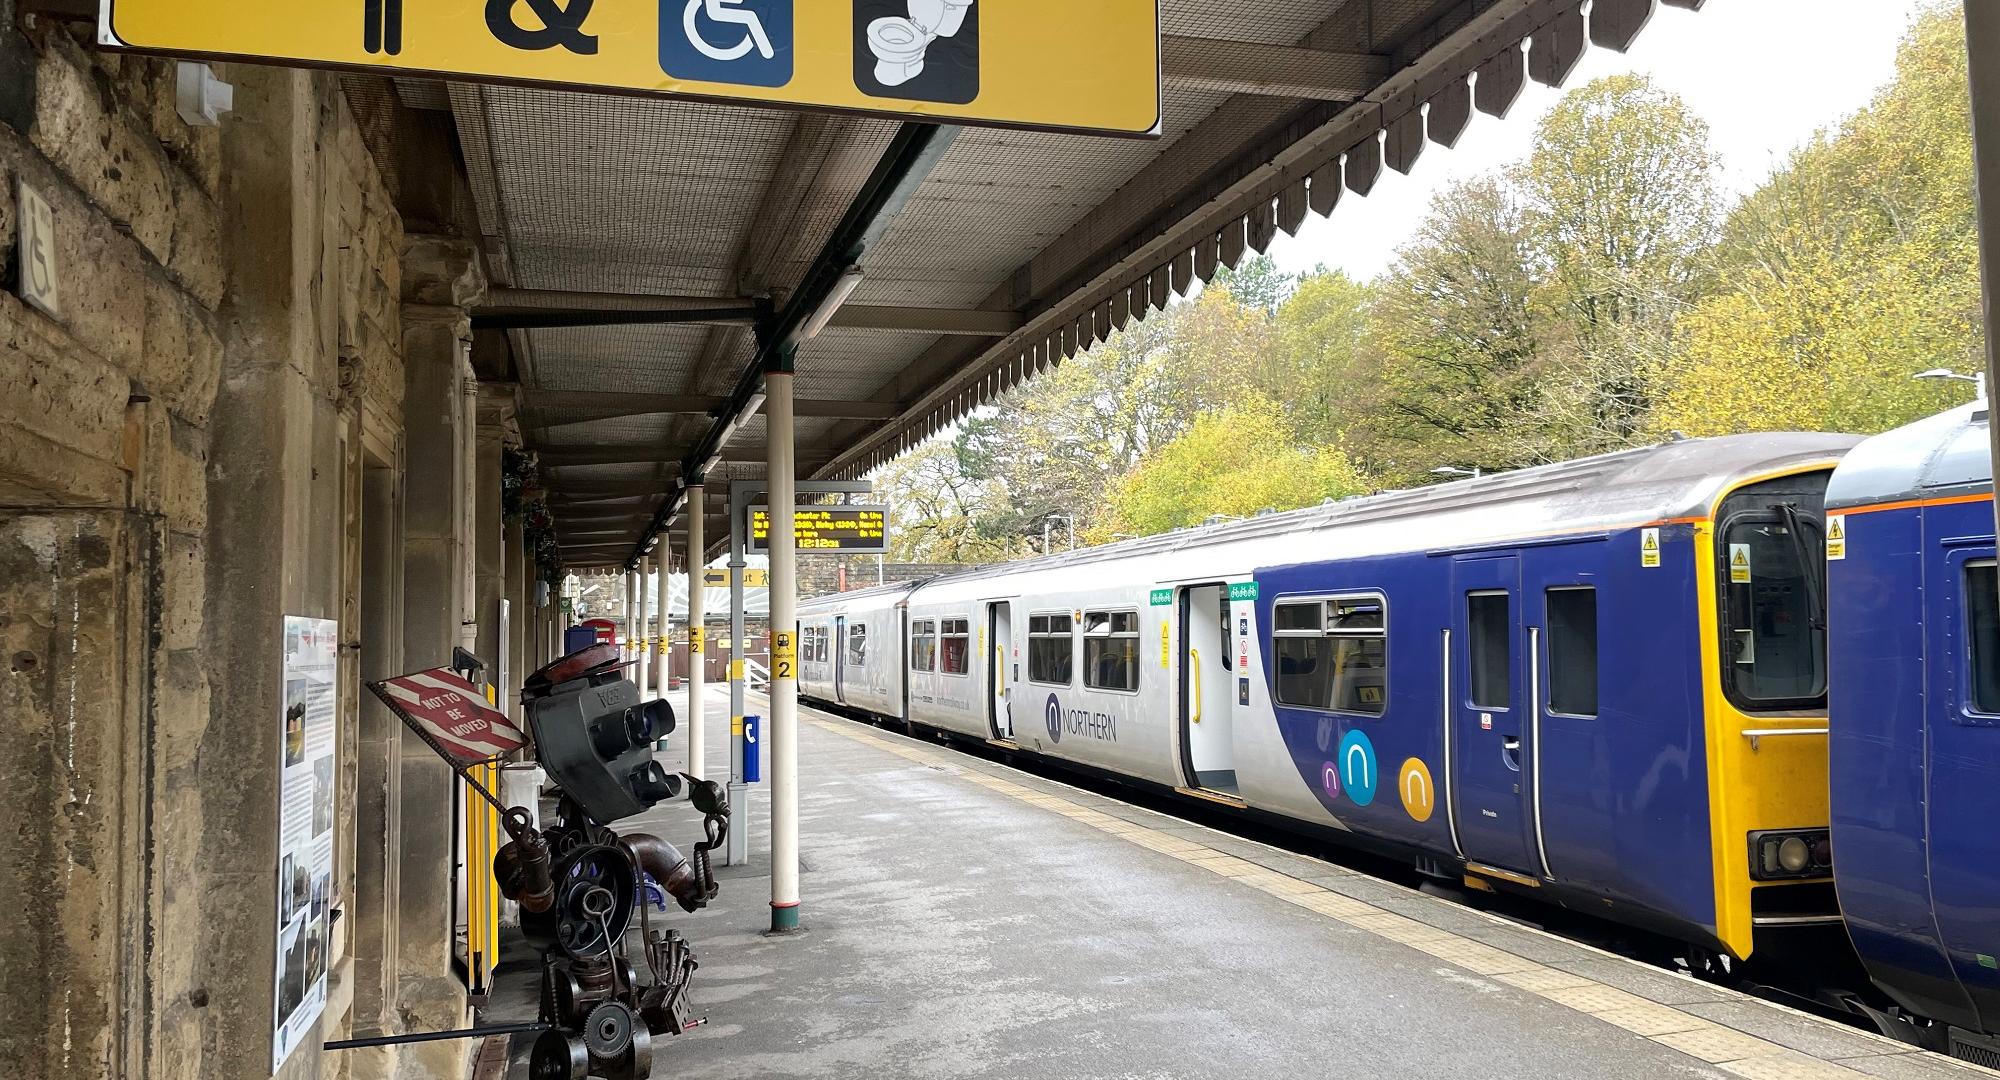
[852, 530]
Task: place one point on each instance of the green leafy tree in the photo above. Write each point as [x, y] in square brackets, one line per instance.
[1234, 462]
[1852, 269]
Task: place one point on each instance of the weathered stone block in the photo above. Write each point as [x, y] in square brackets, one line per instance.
[442, 271]
[184, 584]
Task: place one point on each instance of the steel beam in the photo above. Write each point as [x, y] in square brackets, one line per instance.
[534, 309]
[614, 406]
[915, 150]
[1250, 67]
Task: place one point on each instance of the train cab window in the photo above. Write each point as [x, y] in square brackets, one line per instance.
[1573, 651]
[923, 645]
[1982, 632]
[1775, 632]
[955, 647]
[1333, 654]
[1491, 640]
[1111, 650]
[1049, 649]
[857, 645]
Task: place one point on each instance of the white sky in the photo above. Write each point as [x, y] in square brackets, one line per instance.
[1765, 74]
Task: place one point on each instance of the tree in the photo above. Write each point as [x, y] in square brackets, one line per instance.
[1234, 462]
[1321, 355]
[1255, 282]
[1854, 267]
[1621, 203]
[940, 513]
[1457, 340]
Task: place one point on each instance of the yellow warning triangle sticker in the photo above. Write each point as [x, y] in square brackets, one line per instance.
[1651, 542]
[1741, 558]
[1836, 528]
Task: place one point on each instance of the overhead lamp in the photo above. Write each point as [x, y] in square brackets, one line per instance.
[849, 280]
[1977, 380]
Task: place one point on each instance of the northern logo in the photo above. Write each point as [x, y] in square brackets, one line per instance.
[1052, 714]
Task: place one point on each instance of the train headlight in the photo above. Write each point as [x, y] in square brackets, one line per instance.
[1790, 853]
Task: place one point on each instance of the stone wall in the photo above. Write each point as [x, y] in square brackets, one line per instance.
[182, 453]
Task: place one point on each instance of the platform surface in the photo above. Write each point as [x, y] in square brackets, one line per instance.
[963, 919]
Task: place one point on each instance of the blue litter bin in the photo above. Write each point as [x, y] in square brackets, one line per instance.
[753, 760]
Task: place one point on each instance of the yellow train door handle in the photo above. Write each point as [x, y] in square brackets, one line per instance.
[1000, 669]
[1194, 665]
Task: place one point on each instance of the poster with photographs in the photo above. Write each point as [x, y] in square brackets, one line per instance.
[305, 827]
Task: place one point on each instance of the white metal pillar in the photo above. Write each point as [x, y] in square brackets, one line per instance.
[697, 681]
[644, 645]
[784, 685]
[629, 581]
[663, 634]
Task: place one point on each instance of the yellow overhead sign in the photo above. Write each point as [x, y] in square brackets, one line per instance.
[1092, 66]
[753, 578]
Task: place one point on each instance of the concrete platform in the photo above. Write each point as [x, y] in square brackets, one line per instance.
[966, 920]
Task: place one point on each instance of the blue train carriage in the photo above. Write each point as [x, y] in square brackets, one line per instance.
[1915, 746]
[1600, 682]
[851, 649]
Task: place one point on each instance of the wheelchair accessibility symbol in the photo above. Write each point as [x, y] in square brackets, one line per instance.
[745, 42]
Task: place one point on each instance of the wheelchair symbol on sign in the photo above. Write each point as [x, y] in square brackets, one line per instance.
[726, 13]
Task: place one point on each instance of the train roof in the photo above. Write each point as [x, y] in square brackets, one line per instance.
[1670, 480]
[890, 592]
[1944, 455]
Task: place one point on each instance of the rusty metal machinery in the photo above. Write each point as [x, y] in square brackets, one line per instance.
[580, 883]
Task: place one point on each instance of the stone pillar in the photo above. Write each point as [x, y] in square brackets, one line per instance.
[520, 618]
[441, 281]
[490, 529]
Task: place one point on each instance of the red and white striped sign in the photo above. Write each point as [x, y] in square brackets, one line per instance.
[451, 713]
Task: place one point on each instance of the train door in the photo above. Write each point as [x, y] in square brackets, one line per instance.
[999, 669]
[1207, 691]
[839, 659]
[1486, 701]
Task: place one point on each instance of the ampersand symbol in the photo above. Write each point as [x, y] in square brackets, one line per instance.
[560, 25]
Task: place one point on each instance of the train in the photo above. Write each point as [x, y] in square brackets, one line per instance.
[1610, 684]
[1914, 752]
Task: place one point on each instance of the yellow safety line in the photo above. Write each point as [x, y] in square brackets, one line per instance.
[1698, 1037]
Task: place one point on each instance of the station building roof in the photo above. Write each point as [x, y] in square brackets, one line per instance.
[605, 217]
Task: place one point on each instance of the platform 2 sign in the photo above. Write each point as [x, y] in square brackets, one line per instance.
[1055, 64]
[851, 530]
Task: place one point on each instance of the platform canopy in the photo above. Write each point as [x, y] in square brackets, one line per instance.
[641, 248]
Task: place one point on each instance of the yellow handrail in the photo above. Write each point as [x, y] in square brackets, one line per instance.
[1194, 711]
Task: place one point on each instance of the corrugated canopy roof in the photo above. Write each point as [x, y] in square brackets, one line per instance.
[1017, 250]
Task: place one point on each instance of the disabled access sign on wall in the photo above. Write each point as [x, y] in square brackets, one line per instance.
[1055, 64]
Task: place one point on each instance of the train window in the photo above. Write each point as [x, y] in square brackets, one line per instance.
[1775, 643]
[1573, 651]
[1111, 650]
[1333, 654]
[819, 648]
[1491, 640]
[955, 645]
[1982, 631]
[1049, 651]
[857, 645]
[923, 645]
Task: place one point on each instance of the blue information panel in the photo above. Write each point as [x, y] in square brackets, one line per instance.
[753, 758]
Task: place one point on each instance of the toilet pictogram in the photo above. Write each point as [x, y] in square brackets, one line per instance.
[919, 50]
[745, 42]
